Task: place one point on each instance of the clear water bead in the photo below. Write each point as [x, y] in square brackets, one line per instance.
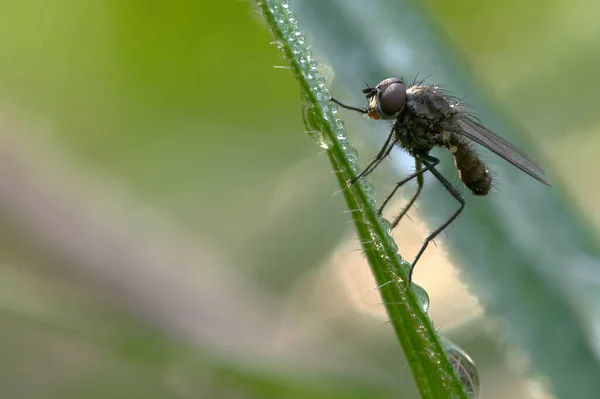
[464, 367]
[386, 225]
[392, 243]
[320, 139]
[403, 268]
[421, 295]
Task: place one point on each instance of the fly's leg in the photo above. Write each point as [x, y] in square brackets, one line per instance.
[432, 161]
[414, 197]
[361, 110]
[419, 175]
[383, 153]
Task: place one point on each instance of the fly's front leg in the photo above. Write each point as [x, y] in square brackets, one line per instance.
[419, 176]
[383, 153]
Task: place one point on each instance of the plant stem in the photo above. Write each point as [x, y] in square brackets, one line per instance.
[433, 373]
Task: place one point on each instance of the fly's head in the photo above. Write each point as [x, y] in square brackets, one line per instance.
[387, 99]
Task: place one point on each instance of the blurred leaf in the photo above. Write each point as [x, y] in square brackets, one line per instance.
[67, 343]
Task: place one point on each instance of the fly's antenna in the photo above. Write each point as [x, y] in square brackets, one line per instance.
[368, 86]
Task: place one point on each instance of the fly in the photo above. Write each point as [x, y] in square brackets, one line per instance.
[425, 117]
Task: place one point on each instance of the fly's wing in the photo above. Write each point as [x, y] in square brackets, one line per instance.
[467, 127]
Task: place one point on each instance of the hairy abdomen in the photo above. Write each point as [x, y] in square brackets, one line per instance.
[471, 170]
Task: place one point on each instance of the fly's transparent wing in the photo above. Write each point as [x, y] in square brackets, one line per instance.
[467, 127]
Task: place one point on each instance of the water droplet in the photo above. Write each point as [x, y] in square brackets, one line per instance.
[313, 125]
[367, 186]
[386, 225]
[421, 295]
[320, 139]
[463, 366]
[403, 269]
[392, 244]
[352, 155]
[368, 190]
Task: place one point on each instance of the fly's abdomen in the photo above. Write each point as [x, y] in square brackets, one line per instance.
[471, 169]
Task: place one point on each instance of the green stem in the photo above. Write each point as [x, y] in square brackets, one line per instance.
[433, 372]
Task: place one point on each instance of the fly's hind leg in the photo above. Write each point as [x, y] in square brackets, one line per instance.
[431, 162]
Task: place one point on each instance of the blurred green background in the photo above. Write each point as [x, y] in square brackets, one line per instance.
[170, 231]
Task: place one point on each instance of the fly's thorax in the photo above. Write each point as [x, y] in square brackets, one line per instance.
[430, 103]
[471, 170]
[419, 125]
[417, 134]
